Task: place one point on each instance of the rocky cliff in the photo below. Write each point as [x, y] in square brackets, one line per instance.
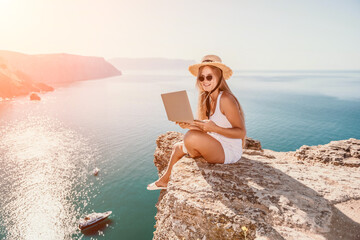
[310, 193]
[61, 67]
[16, 83]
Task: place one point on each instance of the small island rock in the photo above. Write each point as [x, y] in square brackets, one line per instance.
[34, 96]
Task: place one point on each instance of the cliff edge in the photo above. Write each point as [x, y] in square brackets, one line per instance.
[310, 193]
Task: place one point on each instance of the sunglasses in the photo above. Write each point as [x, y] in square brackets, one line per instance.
[208, 77]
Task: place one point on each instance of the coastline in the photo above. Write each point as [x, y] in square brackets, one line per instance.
[23, 74]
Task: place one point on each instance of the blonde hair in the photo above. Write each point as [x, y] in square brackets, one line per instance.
[203, 95]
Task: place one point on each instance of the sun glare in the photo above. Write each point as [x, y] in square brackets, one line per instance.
[4, 7]
[4, 2]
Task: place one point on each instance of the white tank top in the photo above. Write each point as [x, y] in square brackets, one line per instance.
[220, 119]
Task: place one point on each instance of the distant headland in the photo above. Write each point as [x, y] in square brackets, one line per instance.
[21, 74]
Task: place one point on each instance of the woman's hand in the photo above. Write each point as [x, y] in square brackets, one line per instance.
[206, 126]
[186, 125]
[183, 125]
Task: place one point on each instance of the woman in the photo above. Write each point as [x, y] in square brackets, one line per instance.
[221, 137]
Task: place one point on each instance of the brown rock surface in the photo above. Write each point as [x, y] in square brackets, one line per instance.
[345, 152]
[274, 194]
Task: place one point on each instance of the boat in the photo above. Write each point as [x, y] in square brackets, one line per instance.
[92, 219]
[96, 171]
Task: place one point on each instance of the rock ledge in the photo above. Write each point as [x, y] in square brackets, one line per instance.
[266, 195]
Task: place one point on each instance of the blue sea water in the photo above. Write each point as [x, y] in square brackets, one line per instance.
[49, 148]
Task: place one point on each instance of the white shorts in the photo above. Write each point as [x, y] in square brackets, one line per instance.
[232, 147]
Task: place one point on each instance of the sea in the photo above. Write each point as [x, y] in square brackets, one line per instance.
[49, 148]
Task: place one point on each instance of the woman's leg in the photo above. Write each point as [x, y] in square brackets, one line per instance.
[199, 143]
[176, 155]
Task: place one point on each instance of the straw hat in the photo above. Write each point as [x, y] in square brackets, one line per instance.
[212, 60]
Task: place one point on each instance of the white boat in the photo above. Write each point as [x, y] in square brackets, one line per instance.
[93, 219]
[96, 171]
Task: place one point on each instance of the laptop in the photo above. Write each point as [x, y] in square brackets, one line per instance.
[178, 107]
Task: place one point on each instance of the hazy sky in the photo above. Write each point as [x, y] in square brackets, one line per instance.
[246, 34]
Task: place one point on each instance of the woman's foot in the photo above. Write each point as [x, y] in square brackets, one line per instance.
[160, 183]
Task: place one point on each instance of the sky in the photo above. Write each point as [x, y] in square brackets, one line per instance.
[246, 34]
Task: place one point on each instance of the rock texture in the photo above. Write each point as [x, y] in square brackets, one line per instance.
[346, 152]
[266, 195]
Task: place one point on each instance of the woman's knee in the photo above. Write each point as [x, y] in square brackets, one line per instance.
[191, 137]
[191, 141]
[178, 148]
